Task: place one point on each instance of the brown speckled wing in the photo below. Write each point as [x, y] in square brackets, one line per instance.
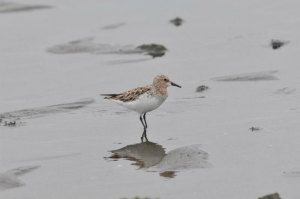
[131, 95]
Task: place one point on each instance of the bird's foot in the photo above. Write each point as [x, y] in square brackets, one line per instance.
[144, 135]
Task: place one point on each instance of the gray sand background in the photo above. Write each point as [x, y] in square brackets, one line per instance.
[65, 130]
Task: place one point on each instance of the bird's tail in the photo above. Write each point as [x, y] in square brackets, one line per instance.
[109, 95]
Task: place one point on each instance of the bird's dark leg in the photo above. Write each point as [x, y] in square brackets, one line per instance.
[145, 120]
[142, 138]
[142, 121]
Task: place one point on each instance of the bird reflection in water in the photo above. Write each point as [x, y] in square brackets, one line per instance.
[152, 157]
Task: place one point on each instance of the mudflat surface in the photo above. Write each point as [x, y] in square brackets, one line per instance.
[55, 62]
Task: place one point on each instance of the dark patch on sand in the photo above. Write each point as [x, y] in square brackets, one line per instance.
[153, 55]
[168, 174]
[127, 61]
[177, 21]
[285, 91]
[8, 7]
[257, 76]
[10, 123]
[87, 45]
[275, 43]
[201, 88]
[271, 196]
[42, 111]
[295, 173]
[255, 128]
[154, 50]
[113, 26]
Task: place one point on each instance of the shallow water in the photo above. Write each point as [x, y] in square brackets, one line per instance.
[71, 140]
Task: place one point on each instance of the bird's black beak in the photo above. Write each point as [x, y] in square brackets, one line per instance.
[173, 84]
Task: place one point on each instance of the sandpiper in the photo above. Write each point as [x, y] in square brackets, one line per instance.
[144, 99]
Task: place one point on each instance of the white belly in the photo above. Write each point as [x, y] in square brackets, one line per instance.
[143, 104]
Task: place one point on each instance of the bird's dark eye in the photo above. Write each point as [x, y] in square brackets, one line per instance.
[166, 80]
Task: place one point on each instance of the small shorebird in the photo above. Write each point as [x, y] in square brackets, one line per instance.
[144, 99]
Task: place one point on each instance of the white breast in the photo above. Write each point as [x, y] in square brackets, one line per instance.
[143, 104]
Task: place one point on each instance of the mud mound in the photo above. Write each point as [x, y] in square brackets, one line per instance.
[10, 179]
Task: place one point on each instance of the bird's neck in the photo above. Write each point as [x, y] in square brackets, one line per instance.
[161, 90]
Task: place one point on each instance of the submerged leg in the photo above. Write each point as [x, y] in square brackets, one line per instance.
[144, 135]
[145, 120]
[142, 138]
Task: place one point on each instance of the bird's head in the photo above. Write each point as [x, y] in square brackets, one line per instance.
[163, 81]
